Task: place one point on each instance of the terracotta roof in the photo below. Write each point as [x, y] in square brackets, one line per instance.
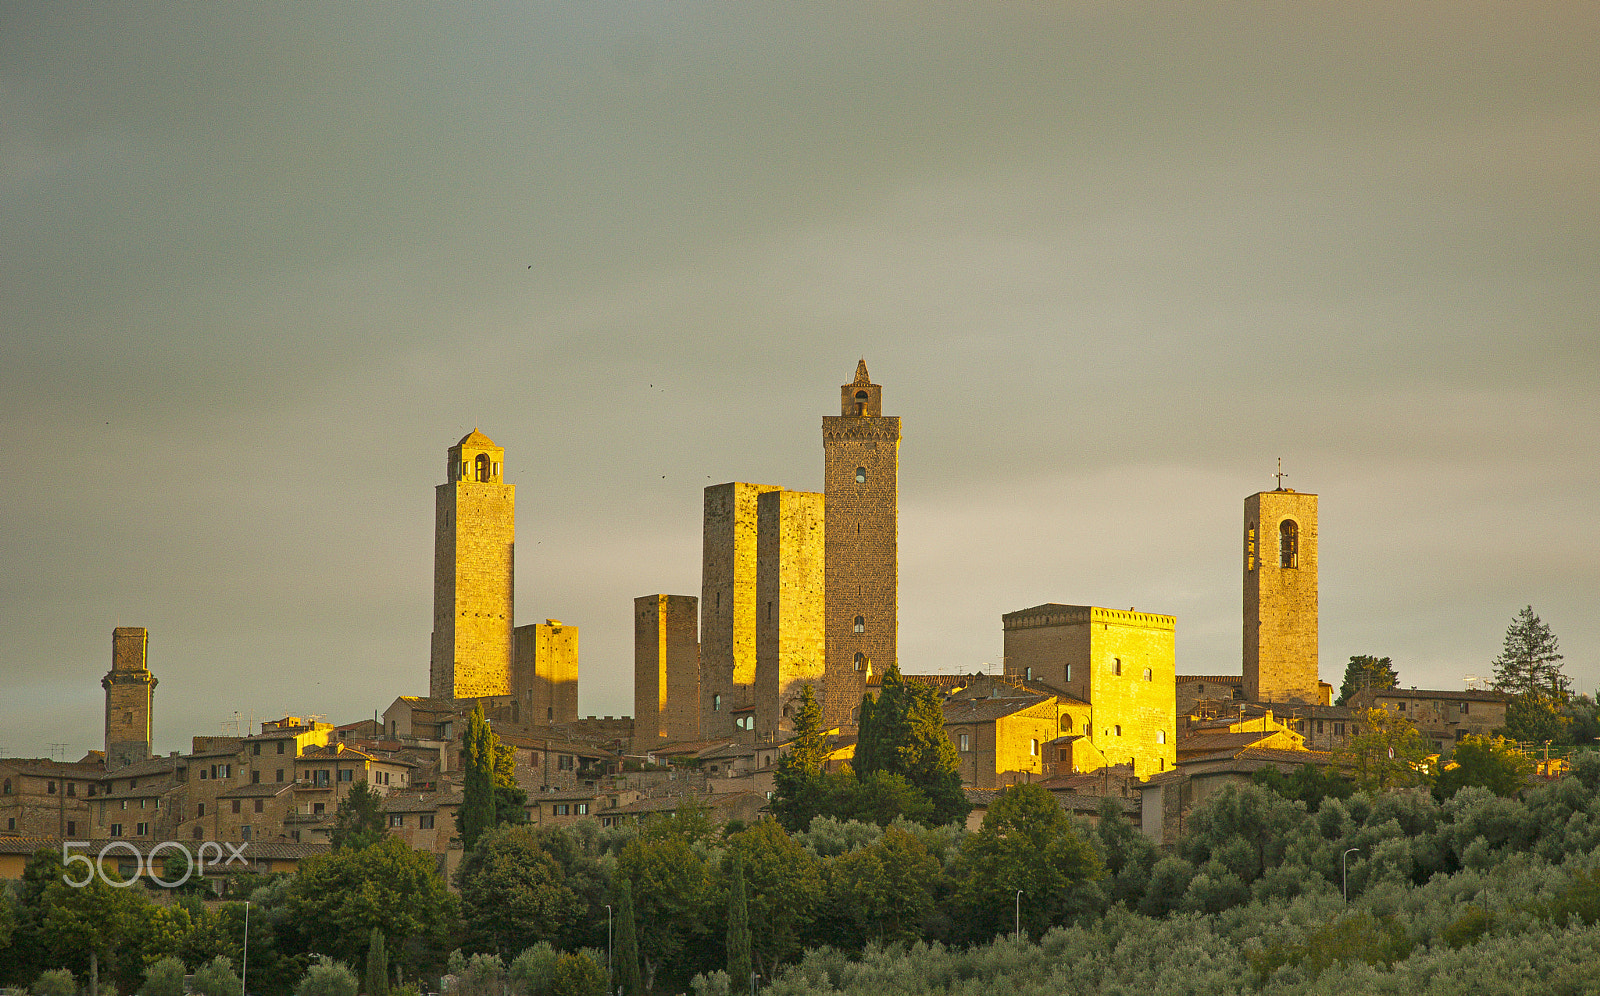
[263, 790]
[1215, 679]
[154, 766]
[407, 803]
[1473, 695]
[1213, 742]
[987, 710]
[45, 766]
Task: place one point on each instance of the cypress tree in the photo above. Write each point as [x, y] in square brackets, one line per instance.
[477, 803]
[377, 965]
[627, 954]
[739, 968]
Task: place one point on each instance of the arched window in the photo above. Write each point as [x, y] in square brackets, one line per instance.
[484, 471]
[861, 402]
[861, 624]
[1118, 728]
[861, 660]
[716, 703]
[1288, 544]
[861, 475]
[1066, 724]
[1161, 736]
[1148, 675]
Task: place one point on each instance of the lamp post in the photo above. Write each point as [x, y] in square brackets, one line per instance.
[244, 962]
[608, 945]
[1019, 915]
[1344, 868]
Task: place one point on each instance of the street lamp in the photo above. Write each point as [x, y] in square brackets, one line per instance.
[244, 962]
[1344, 867]
[1019, 915]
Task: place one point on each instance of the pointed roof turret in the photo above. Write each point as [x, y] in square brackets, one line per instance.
[475, 438]
[861, 372]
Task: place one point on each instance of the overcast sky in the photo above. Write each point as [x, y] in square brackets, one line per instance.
[261, 265]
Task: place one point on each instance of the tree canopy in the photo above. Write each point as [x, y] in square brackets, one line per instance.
[1530, 661]
[512, 893]
[1365, 671]
[359, 821]
[902, 733]
[1387, 753]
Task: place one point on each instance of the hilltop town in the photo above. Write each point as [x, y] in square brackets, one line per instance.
[798, 590]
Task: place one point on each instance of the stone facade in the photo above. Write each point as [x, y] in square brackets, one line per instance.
[728, 605]
[544, 675]
[666, 670]
[789, 606]
[130, 698]
[1442, 716]
[474, 532]
[1122, 663]
[861, 470]
[1280, 597]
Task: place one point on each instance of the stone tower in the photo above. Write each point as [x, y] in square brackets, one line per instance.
[861, 469]
[1280, 597]
[728, 608]
[544, 673]
[666, 670]
[790, 613]
[472, 560]
[130, 698]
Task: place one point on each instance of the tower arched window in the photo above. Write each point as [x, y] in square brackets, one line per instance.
[1289, 544]
[484, 468]
[861, 475]
[861, 660]
[861, 402]
[861, 624]
[716, 703]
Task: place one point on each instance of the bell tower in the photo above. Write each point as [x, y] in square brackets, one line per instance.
[861, 569]
[1280, 597]
[473, 537]
[130, 698]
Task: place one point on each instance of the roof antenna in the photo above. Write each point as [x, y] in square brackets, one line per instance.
[1280, 475]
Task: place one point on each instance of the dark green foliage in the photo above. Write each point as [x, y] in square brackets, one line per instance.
[477, 812]
[512, 893]
[738, 923]
[533, 973]
[901, 732]
[1577, 902]
[359, 822]
[1367, 755]
[882, 893]
[1494, 764]
[1469, 927]
[1530, 661]
[1359, 937]
[56, 982]
[327, 977]
[1027, 843]
[1537, 718]
[1363, 672]
[784, 887]
[164, 977]
[675, 905]
[1584, 715]
[377, 965]
[1308, 783]
[216, 978]
[627, 950]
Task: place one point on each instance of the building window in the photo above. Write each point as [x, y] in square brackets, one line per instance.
[861, 475]
[1149, 675]
[255, 778]
[583, 809]
[1066, 724]
[861, 661]
[564, 762]
[141, 829]
[966, 744]
[50, 788]
[244, 832]
[1069, 672]
[397, 819]
[318, 808]
[1288, 544]
[1116, 665]
[11, 823]
[236, 805]
[1033, 748]
[200, 809]
[7, 790]
[1118, 729]
[279, 774]
[347, 774]
[1027, 674]
[1161, 736]
[425, 821]
[1338, 729]
[716, 703]
[861, 624]
[258, 805]
[203, 774]
[560, 809]
[72, 788]
[1319, 726]
[116, 829]
[320, 777]
[280, 746]
[1464, 709]
[255, 749]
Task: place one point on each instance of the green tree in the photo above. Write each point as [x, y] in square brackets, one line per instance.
[1537, 717]
[477, 812]
[578, 975]
[901, 732]
[784, 883]
[337, 899]
[881, 893]
[1363, 672]
[533, 972]
[673, 904]
[359, 822]
[1026, 843]
[739, 922]
[627, 953]
[93, 929]
[164, 977]
[1492, 762]
[377, 965]
[512, 892]
[1530, 661]
[56, 982]
[798, 793]
[327, 977]
[1387, 753]
[217, 978]
[1309, 783]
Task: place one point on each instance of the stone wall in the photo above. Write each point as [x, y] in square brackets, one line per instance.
[666, 670]
[474, 534]
[130, 698]
[545, 672]
[789, 606]
[728, 604]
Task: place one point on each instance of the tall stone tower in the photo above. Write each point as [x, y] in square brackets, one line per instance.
[1280, 597]
[472, 559]
[544, 673]
[728, 608]
[861, 470]
[666, 670]
[790, 613]
[130, 698]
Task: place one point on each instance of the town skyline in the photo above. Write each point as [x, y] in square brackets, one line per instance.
[267, 265]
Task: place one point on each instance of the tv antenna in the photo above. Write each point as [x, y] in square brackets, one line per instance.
[59, 750]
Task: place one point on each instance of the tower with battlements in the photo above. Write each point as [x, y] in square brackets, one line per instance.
[473, 534]
[861, 470]
[130, 698]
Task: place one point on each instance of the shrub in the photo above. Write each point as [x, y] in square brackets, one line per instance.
[533, 973]
[327, 978]
[56, 982]
[216, 978]
[578, 975]
[164, 977]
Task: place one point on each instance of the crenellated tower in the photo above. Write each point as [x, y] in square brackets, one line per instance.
[474, 532]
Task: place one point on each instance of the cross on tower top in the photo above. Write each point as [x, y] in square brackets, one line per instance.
[1280, 475]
